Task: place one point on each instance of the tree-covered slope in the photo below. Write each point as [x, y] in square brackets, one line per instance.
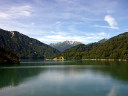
[7, 57]
[25, 46]
[77, 51]
[114, 48]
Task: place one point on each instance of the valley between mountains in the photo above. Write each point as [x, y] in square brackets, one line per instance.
[25, 47]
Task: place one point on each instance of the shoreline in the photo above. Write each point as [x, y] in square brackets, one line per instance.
[107, 59]
[91, 59]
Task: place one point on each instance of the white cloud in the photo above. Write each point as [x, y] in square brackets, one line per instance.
[102, 34]
[111, 21]
[85, 38]
[32, 23]
[4, 15]
[16, 12]
[102, 26]
[58, 20]
[21, 10]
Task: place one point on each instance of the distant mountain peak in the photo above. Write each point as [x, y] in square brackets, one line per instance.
[115, 48]
[72, 42]
[61, 46]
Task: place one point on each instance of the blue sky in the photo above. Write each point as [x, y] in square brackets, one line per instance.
[53, 21]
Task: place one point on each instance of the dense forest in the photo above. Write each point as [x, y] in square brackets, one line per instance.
[114, 48]
[8, 57]
[76, 52]
[29, 48]
[24, 46]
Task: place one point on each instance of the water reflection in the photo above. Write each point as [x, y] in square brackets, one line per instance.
[113, 91]
[70, 78]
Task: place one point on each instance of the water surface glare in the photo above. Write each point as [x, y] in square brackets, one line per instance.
[64, 78]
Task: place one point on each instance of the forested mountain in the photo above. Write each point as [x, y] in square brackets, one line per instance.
[7, 57]
[71, 53]
[114, 48]
[24, 46]
[61, 46]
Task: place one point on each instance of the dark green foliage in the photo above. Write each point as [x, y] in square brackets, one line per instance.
[77, 51]
[24, 46]
[114, 48]
[7, 57]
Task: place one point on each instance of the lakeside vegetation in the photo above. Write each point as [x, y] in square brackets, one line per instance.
[8, 57]
[29, 48]
[114, 48]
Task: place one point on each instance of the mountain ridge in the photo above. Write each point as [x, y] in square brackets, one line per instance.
[24, 46]
[61, 46]
[113, 48]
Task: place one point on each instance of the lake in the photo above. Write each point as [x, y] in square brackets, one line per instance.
[64, 78]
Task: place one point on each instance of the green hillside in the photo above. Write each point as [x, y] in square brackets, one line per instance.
[7, 57]
[24, 46]
[113, 48]
[77, 51]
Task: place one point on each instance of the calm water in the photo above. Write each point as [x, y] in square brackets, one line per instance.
[67, 78]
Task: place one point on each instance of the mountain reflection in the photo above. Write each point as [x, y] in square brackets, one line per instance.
[67, 75]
